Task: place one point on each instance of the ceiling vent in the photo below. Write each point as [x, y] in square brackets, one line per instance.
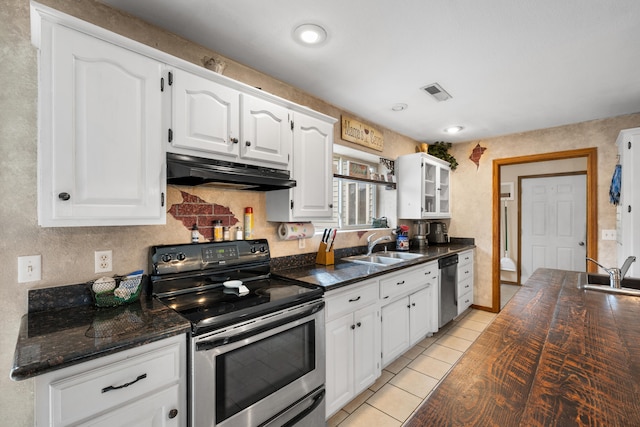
[436, 91]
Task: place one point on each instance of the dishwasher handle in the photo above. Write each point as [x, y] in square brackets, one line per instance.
[447, 261]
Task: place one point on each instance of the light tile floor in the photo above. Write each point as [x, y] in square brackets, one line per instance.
[407, 382]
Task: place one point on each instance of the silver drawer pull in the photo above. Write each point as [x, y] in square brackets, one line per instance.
[354, 299]
[116, 387]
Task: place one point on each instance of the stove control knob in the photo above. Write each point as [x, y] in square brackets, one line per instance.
[166, 258]
[253, 249]
[263, 249]
[181, 256]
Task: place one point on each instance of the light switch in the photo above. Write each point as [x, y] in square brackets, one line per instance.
[29, 268]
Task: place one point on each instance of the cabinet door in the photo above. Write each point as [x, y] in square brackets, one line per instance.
[205, 115]
[339, 362]
[100, 160]
[430, 189]
[158, 410]
[444, 209]
[395, 330]
[266, 132]
[312, 168]
[419, 315]
[367, 347]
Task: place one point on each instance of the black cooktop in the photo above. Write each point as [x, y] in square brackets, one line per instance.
[218, 307]
[189, 279]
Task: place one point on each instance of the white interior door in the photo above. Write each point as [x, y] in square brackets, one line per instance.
[554, 212]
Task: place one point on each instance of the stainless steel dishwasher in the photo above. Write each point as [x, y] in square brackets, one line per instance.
[448, 289]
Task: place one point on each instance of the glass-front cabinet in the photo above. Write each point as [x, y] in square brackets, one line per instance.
[423, 187]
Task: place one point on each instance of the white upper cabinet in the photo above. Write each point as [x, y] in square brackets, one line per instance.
[99, 160]
[213, 120]
[312, 197]
[423, 187]
[266, 131]
[205, 116]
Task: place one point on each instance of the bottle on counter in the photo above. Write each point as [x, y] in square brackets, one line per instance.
[239, 233]
[217, 231]
[248, 223]
[226, 234]
[194, 234]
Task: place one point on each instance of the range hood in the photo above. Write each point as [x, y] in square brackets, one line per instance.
[190, 170]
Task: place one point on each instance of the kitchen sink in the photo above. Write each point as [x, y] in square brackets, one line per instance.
[603, 279]
[600, 283]
[373, 259]
[400, 255]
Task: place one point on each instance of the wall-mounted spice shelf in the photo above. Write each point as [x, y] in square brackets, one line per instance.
[388, 185]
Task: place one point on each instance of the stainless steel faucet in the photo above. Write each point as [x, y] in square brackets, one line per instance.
[371, 245]
[615, 274]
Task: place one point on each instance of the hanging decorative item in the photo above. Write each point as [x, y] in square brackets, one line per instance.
[359, 133]
[476, 154]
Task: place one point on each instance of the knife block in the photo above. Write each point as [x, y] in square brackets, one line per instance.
[324, 257]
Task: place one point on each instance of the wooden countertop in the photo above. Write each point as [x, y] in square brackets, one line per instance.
[555, 356]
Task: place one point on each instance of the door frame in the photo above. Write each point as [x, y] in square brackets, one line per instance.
[519, 223]
[591, 155]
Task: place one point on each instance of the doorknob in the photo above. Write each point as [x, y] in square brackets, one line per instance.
[580, 243]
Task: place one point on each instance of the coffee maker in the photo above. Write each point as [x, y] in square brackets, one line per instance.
[421, 229]
[438, 233]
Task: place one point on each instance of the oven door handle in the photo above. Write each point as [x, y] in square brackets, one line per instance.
[208, 345]
[317, 400]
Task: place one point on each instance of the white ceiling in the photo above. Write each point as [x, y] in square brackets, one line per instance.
[510, 65]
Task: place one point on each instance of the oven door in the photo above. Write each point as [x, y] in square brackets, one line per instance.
[257, 372]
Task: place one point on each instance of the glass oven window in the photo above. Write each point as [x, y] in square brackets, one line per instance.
[252, 372]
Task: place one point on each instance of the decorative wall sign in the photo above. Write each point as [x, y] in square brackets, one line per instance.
[476, 154]
[359, 133]
[358, 170]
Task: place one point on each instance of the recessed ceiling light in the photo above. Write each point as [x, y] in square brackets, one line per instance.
[310, 34]
[453, 129]
[399, 107]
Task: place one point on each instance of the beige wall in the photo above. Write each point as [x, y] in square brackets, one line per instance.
[67, 253]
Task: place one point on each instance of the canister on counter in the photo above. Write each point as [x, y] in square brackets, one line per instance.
[248, 223]
[226, 234]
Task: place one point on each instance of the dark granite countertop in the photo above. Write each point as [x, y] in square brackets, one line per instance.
[556, 355]
[344, 273]
[56, 338]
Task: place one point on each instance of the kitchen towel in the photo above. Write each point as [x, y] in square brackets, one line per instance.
[296, 230]
[616, 184]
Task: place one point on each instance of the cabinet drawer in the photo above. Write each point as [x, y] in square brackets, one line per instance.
[465, 258]
[465, 301]
[465, 272]
[465, 286]
[399, 284]
[113, 385]
[351, 299]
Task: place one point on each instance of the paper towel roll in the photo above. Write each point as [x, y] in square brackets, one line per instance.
[296, 230]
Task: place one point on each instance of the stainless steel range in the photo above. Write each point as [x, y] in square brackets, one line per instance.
[257, 347]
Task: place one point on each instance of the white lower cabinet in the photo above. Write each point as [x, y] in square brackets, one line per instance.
[143, 386]
[465, 281]
[352, 343]
[412, 311]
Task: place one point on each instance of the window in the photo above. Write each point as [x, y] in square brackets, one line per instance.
[354, 202]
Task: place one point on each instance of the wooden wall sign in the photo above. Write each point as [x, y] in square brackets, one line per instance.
[359, 133]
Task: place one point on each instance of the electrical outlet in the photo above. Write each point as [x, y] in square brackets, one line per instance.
[29, 268]
[608, 234]
[104, 261]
